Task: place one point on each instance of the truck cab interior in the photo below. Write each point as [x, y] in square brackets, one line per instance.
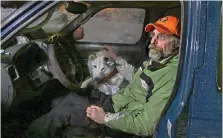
[33, 72]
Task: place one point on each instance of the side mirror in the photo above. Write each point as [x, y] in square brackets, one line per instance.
[76, 8]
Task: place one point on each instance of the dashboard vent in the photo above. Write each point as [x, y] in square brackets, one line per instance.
[12, 72]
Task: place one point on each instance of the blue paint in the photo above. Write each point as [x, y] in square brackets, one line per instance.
[198, 85]
[205, 104]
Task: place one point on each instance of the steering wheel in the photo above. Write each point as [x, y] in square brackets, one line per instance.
[63, 63]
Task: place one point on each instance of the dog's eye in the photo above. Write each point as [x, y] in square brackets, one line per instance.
[106, 59]
[102, 69]
[94, 66]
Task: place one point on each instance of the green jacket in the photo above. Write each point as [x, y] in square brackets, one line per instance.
[138, 106]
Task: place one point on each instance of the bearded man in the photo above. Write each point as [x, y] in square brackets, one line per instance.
[138, 107]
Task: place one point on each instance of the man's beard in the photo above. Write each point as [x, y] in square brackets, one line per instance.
[157, 54]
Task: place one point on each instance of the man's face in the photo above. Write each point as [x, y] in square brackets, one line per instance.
[161, 45]
[78, 34]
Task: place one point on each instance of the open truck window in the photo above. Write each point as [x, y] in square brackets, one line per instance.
[115, 25]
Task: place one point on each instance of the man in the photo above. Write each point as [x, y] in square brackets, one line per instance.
[135, 109]
[78, 34]
[138, 107]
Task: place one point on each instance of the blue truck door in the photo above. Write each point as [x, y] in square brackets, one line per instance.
[197, 85]
[205, 114]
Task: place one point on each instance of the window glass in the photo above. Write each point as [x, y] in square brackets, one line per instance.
[115, 25]
[58, 19]
[5, 12]
[9, 7]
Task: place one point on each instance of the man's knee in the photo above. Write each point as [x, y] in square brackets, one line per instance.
[56, 102]
[71, 99]
[70, 115]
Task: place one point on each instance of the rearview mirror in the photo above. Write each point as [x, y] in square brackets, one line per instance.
[76, 8]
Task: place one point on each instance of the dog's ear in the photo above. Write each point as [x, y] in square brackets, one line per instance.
[106, 59]
[109, 61]
[92, 56]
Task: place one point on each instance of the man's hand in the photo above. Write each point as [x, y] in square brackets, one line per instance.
[96, 113]
[110, 52]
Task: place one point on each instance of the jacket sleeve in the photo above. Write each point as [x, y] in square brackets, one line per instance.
[143, 119]
[125, 69]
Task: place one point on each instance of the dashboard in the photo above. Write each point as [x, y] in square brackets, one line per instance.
[24, 70]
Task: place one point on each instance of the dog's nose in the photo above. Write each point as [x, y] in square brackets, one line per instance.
[97, 79]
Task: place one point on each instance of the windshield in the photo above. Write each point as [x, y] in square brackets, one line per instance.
[53, 21]
[9, 7]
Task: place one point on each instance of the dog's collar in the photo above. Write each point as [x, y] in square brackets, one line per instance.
[110, 75]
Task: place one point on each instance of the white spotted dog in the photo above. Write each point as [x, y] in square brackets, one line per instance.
[104, 75]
